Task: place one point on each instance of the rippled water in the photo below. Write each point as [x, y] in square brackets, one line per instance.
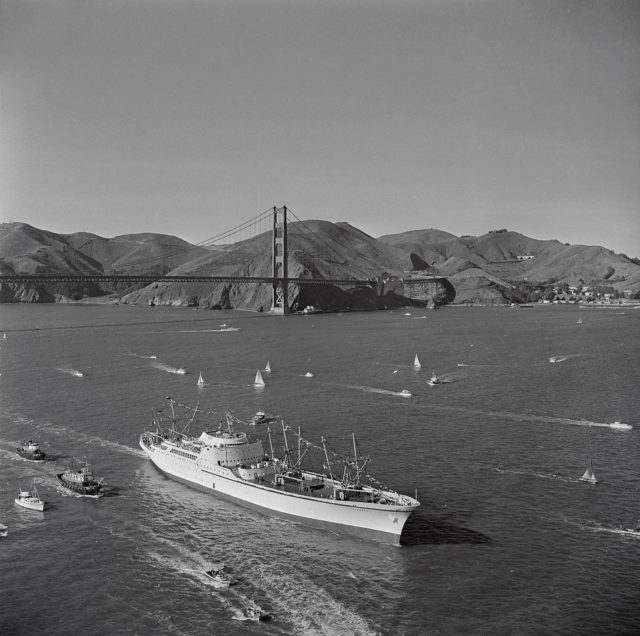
[507, 539]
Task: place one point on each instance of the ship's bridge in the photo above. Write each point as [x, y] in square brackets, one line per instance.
[219, 439]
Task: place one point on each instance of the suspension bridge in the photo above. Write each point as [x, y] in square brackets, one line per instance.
[272, 225]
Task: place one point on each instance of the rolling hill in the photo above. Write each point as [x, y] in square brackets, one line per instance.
[483, 268]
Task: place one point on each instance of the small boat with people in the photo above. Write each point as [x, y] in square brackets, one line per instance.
[31, 450]
[219, 577]
[589, 474]
[81, 481]
[255, 613]
[30, 499]
[261, 418]
[434, 380]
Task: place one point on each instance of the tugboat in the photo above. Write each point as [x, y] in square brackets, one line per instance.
[30, 499]
[31, 450]
[81, 481]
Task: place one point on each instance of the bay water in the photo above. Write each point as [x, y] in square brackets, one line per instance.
[507, 539]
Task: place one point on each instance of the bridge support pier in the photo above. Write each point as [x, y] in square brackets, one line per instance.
[280, 267]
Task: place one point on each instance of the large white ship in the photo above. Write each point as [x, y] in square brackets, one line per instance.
[231, 465]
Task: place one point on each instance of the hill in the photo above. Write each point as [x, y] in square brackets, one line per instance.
[493, 267]
[484, 268]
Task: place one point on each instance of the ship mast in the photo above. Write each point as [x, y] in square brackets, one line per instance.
[270, 441]
[324, 448]
[286, 446]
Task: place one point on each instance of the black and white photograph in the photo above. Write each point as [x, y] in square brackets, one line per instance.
[319, 317]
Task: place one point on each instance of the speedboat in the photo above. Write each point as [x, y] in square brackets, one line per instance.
[434, 380]
[261, 418]
[219, 577]
[405, 393]
[254, 613]
[30, 499]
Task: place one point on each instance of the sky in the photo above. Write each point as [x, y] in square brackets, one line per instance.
[188, 117]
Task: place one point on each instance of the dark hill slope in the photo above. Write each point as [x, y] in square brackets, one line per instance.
[317, 249]
[147, 251]
[25, 249]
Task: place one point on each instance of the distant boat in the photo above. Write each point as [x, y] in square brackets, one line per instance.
[30, 499]
[31, 450]
[81, 481]
[267, 368]
[258, 382]
[181, 371]
[4, 335]
[254, 613]
[579, 321]
[416, 362]
[405, 393]
[219, 577]
[589, 476]
[308, 374]
[261, 418]
[200, 381]
[621, 426]
[434, 379]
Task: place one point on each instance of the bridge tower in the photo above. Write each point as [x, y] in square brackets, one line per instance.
[280, 267]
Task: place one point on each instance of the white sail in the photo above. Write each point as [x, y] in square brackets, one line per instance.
[589, 476]
[258, 381]
[200, 380]
[416, 362]
[268, 367]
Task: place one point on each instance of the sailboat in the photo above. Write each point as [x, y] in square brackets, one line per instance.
[589, 476]
[258, 382]
[200, 381]
[416, 362]
[268, 367]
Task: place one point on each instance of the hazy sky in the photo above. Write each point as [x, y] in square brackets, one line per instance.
[186, 117]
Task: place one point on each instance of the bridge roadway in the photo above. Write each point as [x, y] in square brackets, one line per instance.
[149, 278]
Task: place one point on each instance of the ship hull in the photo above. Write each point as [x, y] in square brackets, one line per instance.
[375, 522]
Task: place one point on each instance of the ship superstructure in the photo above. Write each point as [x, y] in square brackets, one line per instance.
[231, 465]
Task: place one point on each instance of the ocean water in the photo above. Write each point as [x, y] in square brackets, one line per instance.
[507, 540]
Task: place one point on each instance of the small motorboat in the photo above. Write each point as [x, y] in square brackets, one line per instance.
[30, 499]
[434, 380]
[405, 393]
[254, 613]
[261, 418]
[219, 577]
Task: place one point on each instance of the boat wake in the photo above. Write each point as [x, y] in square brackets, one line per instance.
[370, 389]
[49, 429]
[71, 371]
[537, 419]
[532, 473]
[168, 368]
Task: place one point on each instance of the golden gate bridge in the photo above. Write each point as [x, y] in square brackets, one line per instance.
[273, 221]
